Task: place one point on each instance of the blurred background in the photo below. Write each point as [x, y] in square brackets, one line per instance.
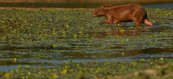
[88, 1]
[73, 3]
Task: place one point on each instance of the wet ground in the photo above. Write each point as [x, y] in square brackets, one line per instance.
[120, 44]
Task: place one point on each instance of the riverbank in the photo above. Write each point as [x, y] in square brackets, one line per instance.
[84, 1]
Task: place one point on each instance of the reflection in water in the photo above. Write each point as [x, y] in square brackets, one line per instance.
[117, 32]
[130, 32]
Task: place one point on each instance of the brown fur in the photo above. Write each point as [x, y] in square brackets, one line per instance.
[124, 13]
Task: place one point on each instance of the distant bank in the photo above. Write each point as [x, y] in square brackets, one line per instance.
[86, 1]
[74, 3]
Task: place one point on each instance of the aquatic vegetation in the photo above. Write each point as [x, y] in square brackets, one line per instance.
[59, 42]
[105, 70]
[34, 26]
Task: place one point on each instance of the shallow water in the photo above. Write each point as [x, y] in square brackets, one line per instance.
[82, 50]
[52, 60]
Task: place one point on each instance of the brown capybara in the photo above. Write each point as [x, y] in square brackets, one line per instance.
[124, 13]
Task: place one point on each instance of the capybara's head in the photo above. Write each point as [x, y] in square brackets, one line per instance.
[99, 12]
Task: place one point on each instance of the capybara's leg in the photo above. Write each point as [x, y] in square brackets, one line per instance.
[137, 23]
[117, 22]
[108, 21]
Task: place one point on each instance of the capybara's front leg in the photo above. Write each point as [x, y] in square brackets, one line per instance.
[117, 22]
[108, 21]
[137, 22]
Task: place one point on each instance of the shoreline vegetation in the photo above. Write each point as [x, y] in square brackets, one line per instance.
[73, 3]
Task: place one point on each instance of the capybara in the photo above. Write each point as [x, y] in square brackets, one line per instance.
[124, 13]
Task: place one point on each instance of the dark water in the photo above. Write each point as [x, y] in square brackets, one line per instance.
[52, 60]
[77, 5]
[161, 5]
